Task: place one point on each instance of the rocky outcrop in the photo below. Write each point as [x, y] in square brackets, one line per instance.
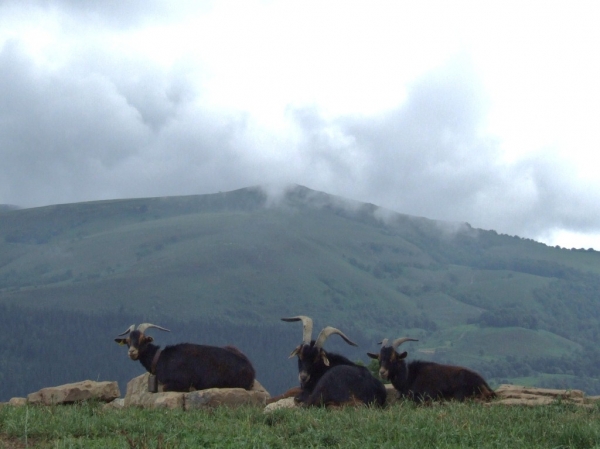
[76, 392]
[138, 396]
[520, 395]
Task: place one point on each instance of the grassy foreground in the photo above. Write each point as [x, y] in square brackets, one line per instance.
[403, 425]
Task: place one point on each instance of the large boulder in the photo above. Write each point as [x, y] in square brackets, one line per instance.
[76, 392]
[138, 396]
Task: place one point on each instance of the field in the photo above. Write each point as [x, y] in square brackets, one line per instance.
[403, 425]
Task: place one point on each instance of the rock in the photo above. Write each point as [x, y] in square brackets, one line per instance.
[76, 392]
[521, 395]
[17, 402]
[392, 395]
[138, 396]
[280, 404]
[507, 390]
[117, 404]
[231, 397]
[259, 388]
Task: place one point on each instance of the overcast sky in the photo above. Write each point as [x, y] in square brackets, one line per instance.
[479, 112]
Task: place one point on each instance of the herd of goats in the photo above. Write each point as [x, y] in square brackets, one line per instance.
[326, 379]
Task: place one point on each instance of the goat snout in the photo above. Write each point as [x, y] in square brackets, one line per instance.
[303, 377]
[132, 353]
[383, 373]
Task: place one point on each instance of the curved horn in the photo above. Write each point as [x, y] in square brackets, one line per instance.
[398, 341]
[326, 332]
[132, 327]
[384, 342]
[142, 327]
[307, 327]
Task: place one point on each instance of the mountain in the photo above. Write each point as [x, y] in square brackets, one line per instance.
[223, 268]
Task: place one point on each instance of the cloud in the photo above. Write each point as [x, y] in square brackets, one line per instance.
[431, 157]
[418, 156]
[108, 13]
[58, 130]
[107, 124]
[84, 133]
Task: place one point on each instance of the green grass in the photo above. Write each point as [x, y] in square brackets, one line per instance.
[403, 425]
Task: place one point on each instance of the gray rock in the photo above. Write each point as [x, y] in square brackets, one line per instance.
[76, 392]
[280, 404]
[17, 402]
[521, 395]
[138, 396]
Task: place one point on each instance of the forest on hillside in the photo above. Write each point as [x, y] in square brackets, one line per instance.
[42, 348]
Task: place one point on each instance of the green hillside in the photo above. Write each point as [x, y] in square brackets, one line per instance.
[224, 268]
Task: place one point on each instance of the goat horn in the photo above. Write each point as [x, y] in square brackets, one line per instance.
[307, 327]
[398, 341]
[326, 332]
[384, 342]
[132, 327]
[144, 326]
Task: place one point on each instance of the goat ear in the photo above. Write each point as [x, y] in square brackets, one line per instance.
[373, 356]
[325, 359]
[403, 355]
[147, 339]
[121, 341]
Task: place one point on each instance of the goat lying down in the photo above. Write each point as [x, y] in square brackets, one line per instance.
[187, 366]
[331, 379]
[422, 381]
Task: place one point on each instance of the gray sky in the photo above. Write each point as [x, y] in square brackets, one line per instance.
[484, 112]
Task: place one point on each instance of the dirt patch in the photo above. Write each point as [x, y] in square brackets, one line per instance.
[19, 443]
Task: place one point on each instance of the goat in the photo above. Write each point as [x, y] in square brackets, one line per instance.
[423, 381]
[187, 366]
[331, 379]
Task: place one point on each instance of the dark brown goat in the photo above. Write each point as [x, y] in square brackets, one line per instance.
[187, 366]
[331, 379]
[423, 381]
